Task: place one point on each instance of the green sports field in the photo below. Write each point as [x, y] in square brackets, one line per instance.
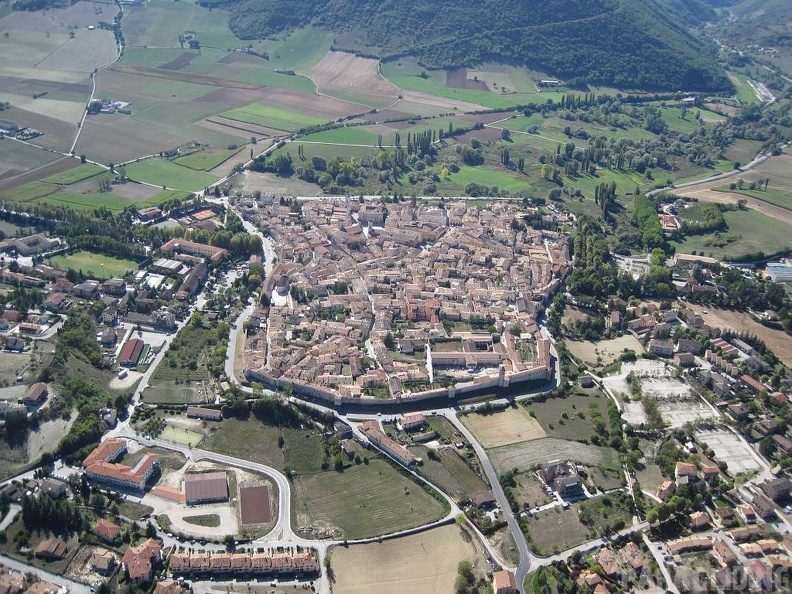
[94, 264]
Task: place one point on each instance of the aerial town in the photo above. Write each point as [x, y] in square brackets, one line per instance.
[369, 297]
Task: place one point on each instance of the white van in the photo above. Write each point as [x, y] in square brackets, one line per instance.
[123, 373]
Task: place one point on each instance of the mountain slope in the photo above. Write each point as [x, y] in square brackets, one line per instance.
[628, 43]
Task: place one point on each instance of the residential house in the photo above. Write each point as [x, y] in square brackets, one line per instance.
[698, 521]
[52, 549]
[632, 555]
[685, 472]
[106, 530]
[374, 433]
[483, 499]
[777, 489]
[723, 554]
[207, 414]
[87, 290]
[688, 345]
[139, 561]
[35, 395]
[503, 582]
[684, 360]
[103, 562]
[114, 286]
[413, 421]
[665, 490]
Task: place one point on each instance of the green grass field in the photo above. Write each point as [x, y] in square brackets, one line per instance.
[346, 135]
[29, 191]
[162, 172]
[162, 391]
[581, 413]
[205, 160]
[749, 232]
[300, 50]
[364, 500]
[182, 436]
[72, 176]
[207, 520]
[273, 117]
[94, 264]
[745, 93]
[87, 201]
[450, 473]
[524, 455]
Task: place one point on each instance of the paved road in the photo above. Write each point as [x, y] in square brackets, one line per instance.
[526, 557]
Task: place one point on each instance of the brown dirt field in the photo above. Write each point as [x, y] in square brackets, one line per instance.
[184, 77]
[310, 104]
[513, 425]
[386, 114]
[216, 127]
[243, 127]
[727, 109]
[28, 86]
[348, 72]
[424, 563]
[457, 79]
[444, 102]
[62, 164]
[483, 134]
[97, 139]
[776, 340]
[256, 508]
[705, 193]
[240, 57]
[180, 62]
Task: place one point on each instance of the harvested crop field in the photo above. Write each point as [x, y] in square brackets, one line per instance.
[509, 426]
[458, 79]
[540, 451]
[350, 73]
[79, 14]
[58, 134]
[256, 507]
[87, 51]
[443, 102]
[432, 558]
[180, 62]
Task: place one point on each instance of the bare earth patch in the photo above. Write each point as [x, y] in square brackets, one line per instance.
[444, 102]
[607, 350]
[504, 428]
[776, 340]
[350, 73]
[432, 558]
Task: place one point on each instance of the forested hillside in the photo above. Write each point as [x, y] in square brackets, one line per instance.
[628, 43]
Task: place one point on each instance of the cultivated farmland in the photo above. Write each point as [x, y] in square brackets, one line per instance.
[161, 172]
[273, 117]
[512, 425]
[349, 76]
[432, 558]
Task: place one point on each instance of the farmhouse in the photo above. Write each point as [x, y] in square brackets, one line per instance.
[206, 487]
[35, 394]
[413, 421]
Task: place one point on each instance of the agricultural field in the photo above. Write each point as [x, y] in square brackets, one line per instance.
[449, 472]
[72, 176]
[750, 232]
[17, 158]
[512, 425]
[348, 76]
[432, 558]
[525, 455]
[206, 160]
[161, 172]
[603, 352]
[364, 500]
[574, 417]
[530, 491]
[96, 265]
[273, 117]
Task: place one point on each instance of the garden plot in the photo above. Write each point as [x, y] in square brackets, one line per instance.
[730, 449]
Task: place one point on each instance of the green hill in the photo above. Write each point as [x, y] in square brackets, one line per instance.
[628, 43]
